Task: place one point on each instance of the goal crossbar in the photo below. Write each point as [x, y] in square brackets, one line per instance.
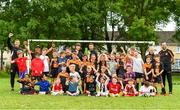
[92, 41]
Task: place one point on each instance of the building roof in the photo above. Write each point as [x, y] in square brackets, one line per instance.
[166, 36]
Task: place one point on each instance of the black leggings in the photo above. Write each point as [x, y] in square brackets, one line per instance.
[169, 78]
[14, 71]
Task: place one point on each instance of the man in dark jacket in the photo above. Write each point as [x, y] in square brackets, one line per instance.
[14, 48]
[167, 58]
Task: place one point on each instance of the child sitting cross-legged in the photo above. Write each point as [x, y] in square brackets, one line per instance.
[44, 85]
[57, 88]
[115, 88]
[130, 88]
[27, 86]
[72, 87]
[91, 86]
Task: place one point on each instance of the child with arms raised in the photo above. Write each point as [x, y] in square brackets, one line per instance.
[102, 83]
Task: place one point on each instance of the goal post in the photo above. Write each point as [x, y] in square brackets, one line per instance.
[152, 43]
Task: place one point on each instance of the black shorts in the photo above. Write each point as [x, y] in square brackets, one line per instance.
[139, 75]
[14, 68]
[54, 73]
[46, 74]
[158, 79]
[72, 92]
[149, 78]
[120, 73]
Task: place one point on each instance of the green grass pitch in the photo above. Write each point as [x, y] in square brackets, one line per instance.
[14, 100]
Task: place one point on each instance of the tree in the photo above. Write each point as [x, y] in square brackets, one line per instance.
[138, 18]
[176, 15]
[87, 19]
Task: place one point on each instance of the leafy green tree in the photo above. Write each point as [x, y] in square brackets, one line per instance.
[86, 19]
[176, 14]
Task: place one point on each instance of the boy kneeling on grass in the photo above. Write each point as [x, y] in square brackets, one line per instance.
[44, 85]
[27, 86]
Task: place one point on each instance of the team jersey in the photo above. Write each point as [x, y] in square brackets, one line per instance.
[57, 87]
[46, 62]
[147, 67]
[76, 75]
[91, 86]
[130, 75]
[158, 67]
[114, 88]
[130, 90]
[76, 62]
[166, 56]
[37, 67]
[43, 86]
[21, 62]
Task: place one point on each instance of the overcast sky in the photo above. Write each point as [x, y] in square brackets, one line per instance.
[171, 26]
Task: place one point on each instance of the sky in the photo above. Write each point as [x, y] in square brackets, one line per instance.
[171, 26]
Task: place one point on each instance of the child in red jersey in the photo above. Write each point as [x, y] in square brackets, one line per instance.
[37, 68]
[57, 88]
[114, 88]
[130, 88]
[21, 63]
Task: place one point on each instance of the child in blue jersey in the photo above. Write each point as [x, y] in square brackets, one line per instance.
[72, 87]
[44, 85]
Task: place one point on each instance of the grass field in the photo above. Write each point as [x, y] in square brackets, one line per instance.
[13, 100]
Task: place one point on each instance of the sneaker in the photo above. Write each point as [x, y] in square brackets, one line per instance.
[163, 93]
[12, 89]
[170, 93]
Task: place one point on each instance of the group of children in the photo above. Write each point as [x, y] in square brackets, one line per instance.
[73, 73]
